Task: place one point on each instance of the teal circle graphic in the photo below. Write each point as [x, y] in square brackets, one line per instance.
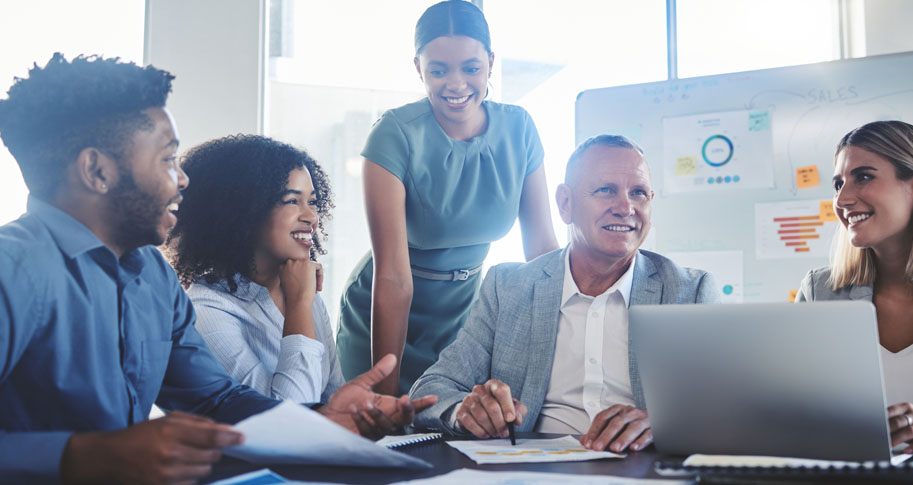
[727, 290]
[711, 140]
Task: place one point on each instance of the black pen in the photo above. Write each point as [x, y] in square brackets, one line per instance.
[510, 431]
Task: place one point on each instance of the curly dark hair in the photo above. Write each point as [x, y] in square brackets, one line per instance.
[65, 107]
[236, 181]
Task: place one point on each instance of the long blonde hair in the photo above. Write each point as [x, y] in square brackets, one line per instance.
[893, 141]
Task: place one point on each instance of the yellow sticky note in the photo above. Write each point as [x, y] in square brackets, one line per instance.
[685, 166]
[827, 211]
[792, 295]
[807, 176]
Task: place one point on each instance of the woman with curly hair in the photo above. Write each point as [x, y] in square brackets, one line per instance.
[245, 243]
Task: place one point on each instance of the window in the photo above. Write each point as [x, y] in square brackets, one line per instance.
[546, 53]
[717, 36]
[38, 29]
[335, 67]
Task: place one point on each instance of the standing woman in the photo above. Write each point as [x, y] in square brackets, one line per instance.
[873, 258]
[444, 177]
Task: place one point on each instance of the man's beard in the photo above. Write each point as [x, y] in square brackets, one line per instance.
[137, 214]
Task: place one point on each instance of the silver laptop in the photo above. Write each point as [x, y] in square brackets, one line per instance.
[779, 379]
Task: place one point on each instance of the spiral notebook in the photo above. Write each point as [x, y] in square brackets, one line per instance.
[407, 439]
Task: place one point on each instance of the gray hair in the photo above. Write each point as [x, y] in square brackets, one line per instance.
[604, 140]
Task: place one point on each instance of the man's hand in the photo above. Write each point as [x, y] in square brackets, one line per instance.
[616, 428]
[179, 448]
[900, 420]
[486, 411]
[358, 408]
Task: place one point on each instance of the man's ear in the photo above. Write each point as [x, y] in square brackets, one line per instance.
[95, 171]
[565, 202]
[418, 68]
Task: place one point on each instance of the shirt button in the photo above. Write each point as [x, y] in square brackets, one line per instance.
[592, 360]
[594, 314]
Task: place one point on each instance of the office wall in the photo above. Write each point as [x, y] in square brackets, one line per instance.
[215, 48]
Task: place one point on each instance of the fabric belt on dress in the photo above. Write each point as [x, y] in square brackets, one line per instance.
[455, 275]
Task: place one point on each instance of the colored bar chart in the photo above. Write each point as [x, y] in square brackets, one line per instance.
[793, 229]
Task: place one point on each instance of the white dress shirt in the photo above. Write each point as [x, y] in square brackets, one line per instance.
[590, 371]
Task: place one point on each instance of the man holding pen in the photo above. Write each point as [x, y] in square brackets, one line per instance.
[546, 344]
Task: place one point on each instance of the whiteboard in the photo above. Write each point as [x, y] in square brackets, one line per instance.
[724, 152]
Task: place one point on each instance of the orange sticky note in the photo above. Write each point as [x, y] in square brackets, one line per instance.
[792, 295]
[827, 211]
[807, 176]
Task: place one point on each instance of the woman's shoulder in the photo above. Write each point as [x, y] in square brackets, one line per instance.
[818, 274]
[218, 293]
[408, 113]
[511, 111]
[816, 286]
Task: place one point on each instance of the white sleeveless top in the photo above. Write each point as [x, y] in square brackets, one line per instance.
[897, 370]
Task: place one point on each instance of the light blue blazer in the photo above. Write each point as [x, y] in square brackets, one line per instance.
[512, 329]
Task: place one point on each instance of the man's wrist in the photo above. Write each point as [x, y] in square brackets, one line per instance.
[84, 461]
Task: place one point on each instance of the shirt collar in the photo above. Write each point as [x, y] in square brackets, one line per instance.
[247, 289]
[74, 238]
[71, 236]
[622, 285]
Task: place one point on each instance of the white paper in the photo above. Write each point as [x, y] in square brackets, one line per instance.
[479, 477]
[774, 461]
[293, 434]
[710, 152]
[566, 448]
[726, 267]
[792, 229]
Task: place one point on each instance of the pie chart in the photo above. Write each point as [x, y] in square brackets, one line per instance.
[717, 150]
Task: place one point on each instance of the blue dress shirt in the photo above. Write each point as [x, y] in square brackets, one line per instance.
[89, 342]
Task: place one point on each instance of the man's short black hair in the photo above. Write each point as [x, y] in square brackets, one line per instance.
[67, 106]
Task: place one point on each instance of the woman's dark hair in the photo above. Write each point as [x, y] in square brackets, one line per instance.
[236, 182]
[451, 17]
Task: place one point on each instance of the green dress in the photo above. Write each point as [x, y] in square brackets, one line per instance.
[460, 196]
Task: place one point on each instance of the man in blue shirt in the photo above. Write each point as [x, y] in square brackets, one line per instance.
[94, 327]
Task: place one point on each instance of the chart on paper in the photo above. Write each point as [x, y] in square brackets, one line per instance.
[798, 228]
[566, 448]
[711, 151]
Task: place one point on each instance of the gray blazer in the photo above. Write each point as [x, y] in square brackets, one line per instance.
[814, 287]
[512, 328]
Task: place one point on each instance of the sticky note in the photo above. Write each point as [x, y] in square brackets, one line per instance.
[826, 213]
[792, 295]
[758, 121]
[807, 176]
[685, 166]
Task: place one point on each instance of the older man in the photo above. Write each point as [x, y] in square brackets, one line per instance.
[546, 345]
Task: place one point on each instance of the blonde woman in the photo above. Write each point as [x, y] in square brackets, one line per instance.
[873, 260]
